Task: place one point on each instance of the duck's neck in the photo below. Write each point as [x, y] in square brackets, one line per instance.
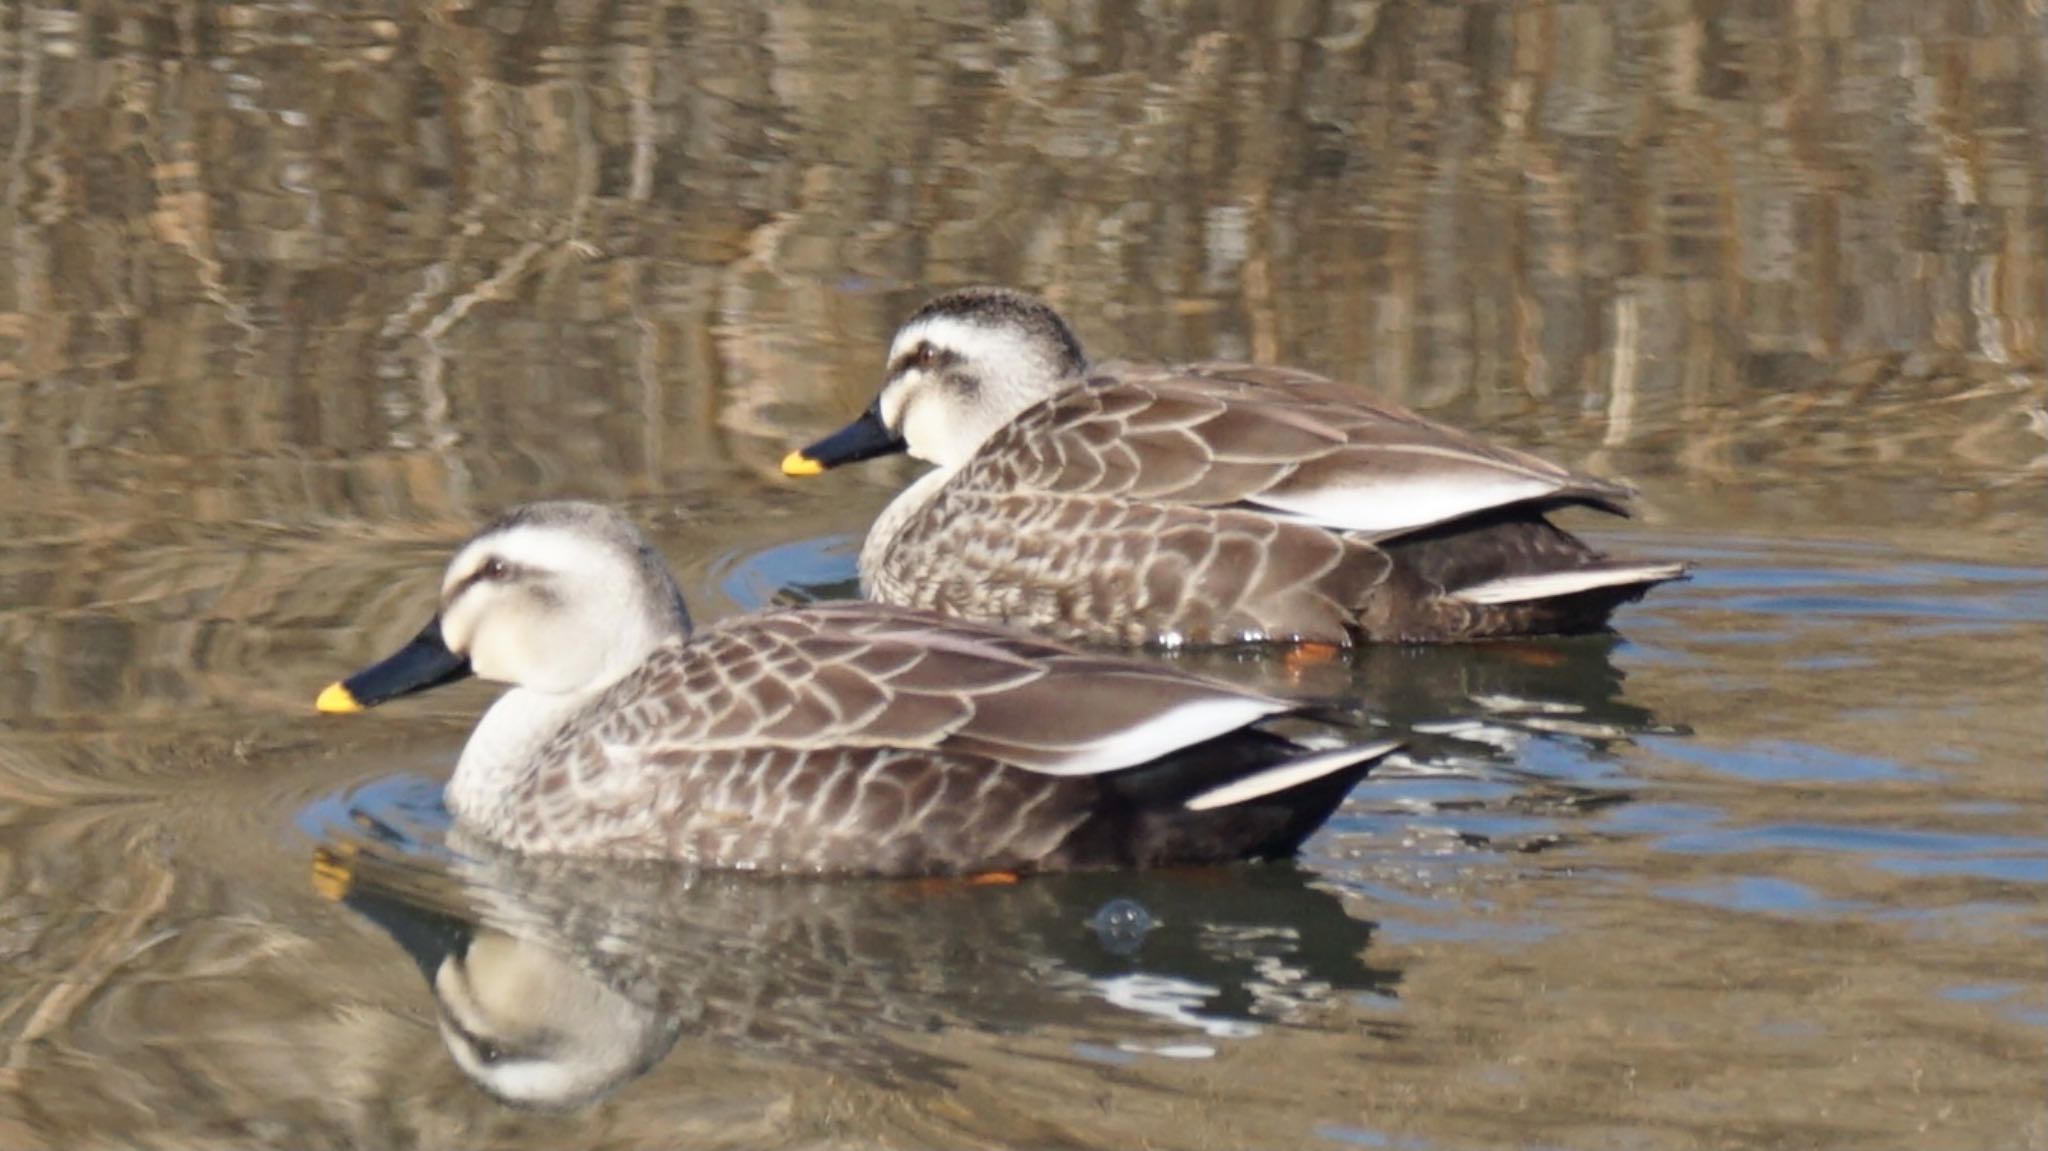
[900, 513]
[504, 747]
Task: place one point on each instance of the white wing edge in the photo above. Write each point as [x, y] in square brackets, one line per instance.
[1390, 507]
[1550, 585]
[1165, 733]
[1293, 773]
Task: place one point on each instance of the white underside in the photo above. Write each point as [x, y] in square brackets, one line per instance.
[1293, 773]
[1550, 585]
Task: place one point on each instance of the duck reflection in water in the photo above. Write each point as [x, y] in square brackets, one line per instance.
[557, 982]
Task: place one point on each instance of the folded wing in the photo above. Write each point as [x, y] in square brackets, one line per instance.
[1288, 442]
[866, 675]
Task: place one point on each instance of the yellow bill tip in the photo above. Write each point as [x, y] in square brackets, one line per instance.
[333, 873]
[337, 700]
[799, 464]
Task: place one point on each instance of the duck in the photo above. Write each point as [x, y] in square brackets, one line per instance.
[841, 738]
[1204, 504]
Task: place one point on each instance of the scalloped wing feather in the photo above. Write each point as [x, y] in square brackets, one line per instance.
[1089, 566]
[1217, 435]
[827, 678]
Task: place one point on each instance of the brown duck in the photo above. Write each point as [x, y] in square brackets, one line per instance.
[852, 738]
[1205, 503]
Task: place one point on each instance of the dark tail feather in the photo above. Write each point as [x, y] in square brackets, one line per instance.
[1274, 824]
[1506, 573]
[1247, 795]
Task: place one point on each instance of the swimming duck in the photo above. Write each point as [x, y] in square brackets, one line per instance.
[1205, 503]
[838, 738]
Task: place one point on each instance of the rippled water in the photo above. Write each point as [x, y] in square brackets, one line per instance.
[296, 295]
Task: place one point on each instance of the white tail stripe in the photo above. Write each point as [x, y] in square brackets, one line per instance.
[1290, 774]
[1550, 585]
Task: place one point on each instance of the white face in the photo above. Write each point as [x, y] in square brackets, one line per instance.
[545, 608]
[953, 382]
[535, 1030]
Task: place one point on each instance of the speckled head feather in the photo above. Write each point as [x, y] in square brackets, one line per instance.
[611, 530]
[969, 362]
[991, 306]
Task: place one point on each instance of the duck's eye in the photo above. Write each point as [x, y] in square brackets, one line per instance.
[494, 569]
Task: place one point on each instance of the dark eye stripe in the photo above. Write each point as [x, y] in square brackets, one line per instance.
[492, 570]
[925, 356]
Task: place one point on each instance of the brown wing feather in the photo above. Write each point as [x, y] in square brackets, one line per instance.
[1096, 566]
[1215, 435]
[871, 810]
[866, 675]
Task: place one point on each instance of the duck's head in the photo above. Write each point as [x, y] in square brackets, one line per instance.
[552, 597]
[964, 365]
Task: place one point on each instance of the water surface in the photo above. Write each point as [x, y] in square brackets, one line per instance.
[297, 295]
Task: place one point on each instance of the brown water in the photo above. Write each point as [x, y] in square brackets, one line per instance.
[296, 293]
